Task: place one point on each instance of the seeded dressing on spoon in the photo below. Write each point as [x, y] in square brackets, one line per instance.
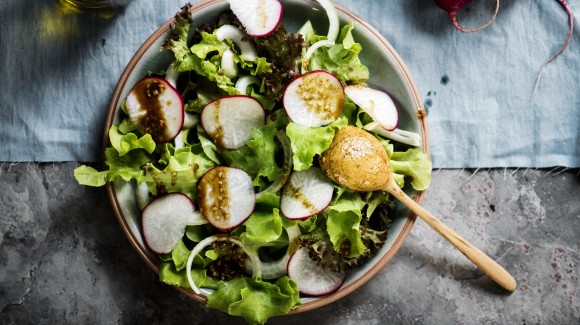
[356, 160]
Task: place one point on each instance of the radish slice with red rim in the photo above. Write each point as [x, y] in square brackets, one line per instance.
[257, 264]
[306, 193]
[164, 221]
[156, 107]
[229, 121]
[311, 279]
[378, 104]
[226, 197]
[259, 17]
[314, 99]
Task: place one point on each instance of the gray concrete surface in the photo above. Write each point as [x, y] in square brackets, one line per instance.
[64, 259]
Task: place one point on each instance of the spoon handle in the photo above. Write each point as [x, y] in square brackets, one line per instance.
[490, 267]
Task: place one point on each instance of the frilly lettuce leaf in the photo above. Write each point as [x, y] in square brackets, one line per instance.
[308, 142]
[342, 59]
[127, 166]
[413, 164]
[257, 157]
[283, 50]
[209, 43]
[343, 221]
[124, 143]
[255, 300]
[180, 175]
[265, 223]
[172, 269]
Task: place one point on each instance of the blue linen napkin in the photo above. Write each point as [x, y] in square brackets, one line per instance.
[60, 70]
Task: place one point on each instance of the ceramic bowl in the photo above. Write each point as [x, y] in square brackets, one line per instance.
[387, 72]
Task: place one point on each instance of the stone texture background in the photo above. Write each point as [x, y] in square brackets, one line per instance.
[64, 259]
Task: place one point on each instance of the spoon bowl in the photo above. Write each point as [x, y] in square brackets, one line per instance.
[358, 161]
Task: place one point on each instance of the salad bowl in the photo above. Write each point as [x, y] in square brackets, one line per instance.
[388, 72]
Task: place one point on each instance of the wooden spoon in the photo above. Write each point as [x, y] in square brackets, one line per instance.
[357, 160]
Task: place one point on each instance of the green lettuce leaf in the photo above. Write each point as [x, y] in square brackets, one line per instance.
[265, 224]
[258, 156]
[255, 300]
[342, 59]
[343, 224]
[89, 176]
[413, 164]
[169, 275]
[209, 43]
[308, 142]
[180, 175]
[125, 143]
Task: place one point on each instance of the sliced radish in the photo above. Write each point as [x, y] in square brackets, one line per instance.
[247, 49]
[164, 221]
[311, 278]
[314, 99]
[229, 121]
[376, 103]
[255, 261]
[306, 193]
[226, 197]
[156, 107]
[259, 17]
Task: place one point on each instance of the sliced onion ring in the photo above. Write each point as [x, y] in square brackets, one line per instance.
[256, 272]
[332, 19]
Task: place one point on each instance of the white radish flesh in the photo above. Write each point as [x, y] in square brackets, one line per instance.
[164, 221]
[248, 51]
[229, 121]
[376, 103]
[314, 99]
[311, 278]
[259, 17]
[306, 193]
[226, 197]
[156, 108]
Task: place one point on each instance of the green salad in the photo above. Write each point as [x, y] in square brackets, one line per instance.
[223, 149]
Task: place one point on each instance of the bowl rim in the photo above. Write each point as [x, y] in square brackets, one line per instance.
[321, 301]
